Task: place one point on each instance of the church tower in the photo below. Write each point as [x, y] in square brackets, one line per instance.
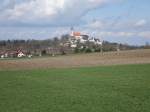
[72, 31]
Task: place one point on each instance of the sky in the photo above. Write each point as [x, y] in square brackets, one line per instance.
[123, 21]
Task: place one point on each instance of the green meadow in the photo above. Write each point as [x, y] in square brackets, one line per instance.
[121, 88]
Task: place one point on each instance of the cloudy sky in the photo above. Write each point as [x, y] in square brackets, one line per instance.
[124, 21]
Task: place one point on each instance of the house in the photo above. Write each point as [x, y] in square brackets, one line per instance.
[11, 54]
[7, 54]
[95, 41]
[98, 42]
[20, 54]
[14, 54]
[92, 40]
[2, 55]
[77, 37]
[73, 45]
[84, 39]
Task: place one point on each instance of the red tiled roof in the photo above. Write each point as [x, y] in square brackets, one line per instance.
[76, 34]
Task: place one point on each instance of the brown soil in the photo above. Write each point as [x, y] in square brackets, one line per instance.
[79, 60]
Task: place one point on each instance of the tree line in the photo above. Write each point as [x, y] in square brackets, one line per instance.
[31, 44]
[55, 42]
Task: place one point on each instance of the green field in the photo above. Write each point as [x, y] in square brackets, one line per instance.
[123, 88]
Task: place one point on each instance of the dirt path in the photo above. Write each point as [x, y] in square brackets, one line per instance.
[80, 60]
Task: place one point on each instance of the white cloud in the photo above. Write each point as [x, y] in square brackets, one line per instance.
[96, 25]
[6, 4]
[145, 34]
[49, 11]
[116, 34]
[141, 23]
[122, 34]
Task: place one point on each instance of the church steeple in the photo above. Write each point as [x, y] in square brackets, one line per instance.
[72, 31]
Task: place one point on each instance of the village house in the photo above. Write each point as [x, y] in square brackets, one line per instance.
[20, 54]
[95, 41]
[12, 54]
[2, 55]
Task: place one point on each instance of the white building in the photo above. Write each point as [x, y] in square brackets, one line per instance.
[77, 37]
[2, 56]
[20, 55]
[95, 41]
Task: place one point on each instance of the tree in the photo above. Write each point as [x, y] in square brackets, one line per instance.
[64, 38]
[55, 41]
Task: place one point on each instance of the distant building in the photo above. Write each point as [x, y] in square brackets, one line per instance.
[2, 55]
[95, 41]
[20, 54]
[12, 54]
[77, 37]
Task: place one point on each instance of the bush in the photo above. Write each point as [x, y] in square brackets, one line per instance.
[44, 52]
[76, 50]
[88, 50]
